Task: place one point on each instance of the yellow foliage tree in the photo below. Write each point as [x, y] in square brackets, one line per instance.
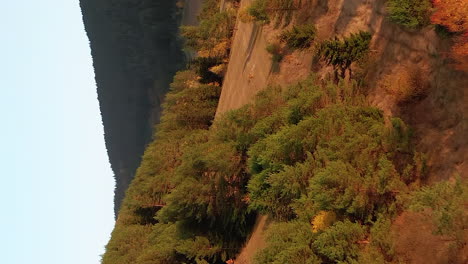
[219, 50]
[323, 220]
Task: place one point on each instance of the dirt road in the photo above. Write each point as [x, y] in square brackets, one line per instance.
[249, 67]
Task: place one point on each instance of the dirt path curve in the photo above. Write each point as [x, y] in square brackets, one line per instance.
[248, 71]
[256, 241]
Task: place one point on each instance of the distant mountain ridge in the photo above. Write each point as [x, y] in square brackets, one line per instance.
[136, 52]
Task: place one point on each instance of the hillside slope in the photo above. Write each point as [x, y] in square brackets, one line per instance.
[438, 116]
[303, 134]
[136, 51]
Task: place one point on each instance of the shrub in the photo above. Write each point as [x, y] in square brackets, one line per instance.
[409, 13]
[276, 52]
[219, 69]
[342, 53]
[299, 37]
[265, 10]
[220, 50]
[443, 32]
[244, 15]
[258, 10]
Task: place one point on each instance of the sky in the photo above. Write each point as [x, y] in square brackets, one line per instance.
[56, 197]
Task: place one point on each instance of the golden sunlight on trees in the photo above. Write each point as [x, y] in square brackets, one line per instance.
[453, 14]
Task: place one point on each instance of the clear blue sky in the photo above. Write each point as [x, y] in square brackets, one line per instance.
[56, 196]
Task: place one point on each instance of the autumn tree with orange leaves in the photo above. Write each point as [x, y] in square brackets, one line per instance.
[453, 14]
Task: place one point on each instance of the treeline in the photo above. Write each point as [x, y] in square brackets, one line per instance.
[138, 237]
[136, 51]
[179, 236]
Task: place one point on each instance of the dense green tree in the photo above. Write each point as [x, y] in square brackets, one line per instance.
[275, 51]
[382, 238]
[342, 53]
[340, 243]
[343, 151]
[211, 31]
[258, 10]
[299, 37]
[163, 241]
[126, 244]
[410, 13]
[288, 243]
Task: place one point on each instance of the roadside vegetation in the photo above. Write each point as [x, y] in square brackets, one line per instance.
[265, 11]
[300, 37]
[276, 52]
[211, 41]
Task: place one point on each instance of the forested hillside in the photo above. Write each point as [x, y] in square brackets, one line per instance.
[326, 149]
[136, 51]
